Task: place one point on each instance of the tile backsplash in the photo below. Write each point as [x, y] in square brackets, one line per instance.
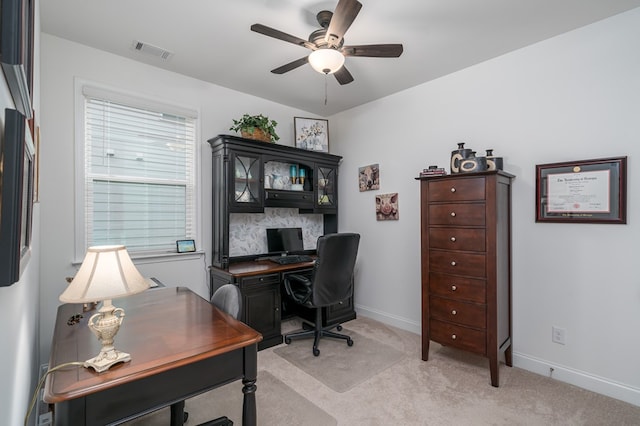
[247, 231]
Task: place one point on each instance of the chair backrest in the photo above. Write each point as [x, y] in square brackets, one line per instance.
[333, 271]
[228, 299]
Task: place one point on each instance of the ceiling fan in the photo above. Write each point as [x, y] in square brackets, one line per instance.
[327, 43]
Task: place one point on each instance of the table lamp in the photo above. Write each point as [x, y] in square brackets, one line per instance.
[107, 272]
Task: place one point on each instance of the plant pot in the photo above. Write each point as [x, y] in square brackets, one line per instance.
[258, 134]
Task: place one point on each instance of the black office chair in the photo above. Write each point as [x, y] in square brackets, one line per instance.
[330, 283]
[228, 299]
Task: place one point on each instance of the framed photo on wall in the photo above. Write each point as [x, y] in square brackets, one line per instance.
[586, 191]
[369, 177]
[311, 133]
[16, 197]
[16, 51]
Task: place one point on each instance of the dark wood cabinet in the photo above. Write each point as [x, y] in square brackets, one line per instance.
[466, 264]
[239, 185]
[261, 306]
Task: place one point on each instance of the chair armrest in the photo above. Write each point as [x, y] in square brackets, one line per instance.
[298, 287]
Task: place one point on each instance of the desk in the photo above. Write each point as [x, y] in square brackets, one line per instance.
[180, 345]
[261, 285]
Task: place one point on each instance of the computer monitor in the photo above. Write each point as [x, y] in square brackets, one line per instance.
[284, 240]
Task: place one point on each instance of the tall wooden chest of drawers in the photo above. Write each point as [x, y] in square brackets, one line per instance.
[466, 264]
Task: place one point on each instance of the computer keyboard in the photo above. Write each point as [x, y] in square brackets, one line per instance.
[291, 258]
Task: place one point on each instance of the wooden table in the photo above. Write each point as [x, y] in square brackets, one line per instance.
[180, 345]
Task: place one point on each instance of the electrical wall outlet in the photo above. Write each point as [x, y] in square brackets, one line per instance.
[558, 335]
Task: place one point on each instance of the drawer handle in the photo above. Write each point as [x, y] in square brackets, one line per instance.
[453, 190]
[453, 214]
[453, 263]
[454, 337]
[277, 309]
[454, 288]
[453, 239]
[454, 312]
[261, 279]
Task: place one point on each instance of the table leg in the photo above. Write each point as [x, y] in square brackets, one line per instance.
[177, 414]
[249, 416]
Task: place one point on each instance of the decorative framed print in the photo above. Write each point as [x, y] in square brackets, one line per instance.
[16, 51]
[587, 191]
[387, 207]
[311, 133]
[16, 192]
[369, 177]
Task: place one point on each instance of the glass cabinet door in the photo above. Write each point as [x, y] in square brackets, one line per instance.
[326, 180]
[247, 183]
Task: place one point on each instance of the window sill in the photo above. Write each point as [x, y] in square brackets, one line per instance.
[142, 258]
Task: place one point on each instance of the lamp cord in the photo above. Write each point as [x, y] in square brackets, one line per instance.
[41, 382]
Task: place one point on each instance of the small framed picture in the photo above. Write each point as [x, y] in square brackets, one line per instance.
[186, 246]
[311, 133]
[387, 207]
[369, 177]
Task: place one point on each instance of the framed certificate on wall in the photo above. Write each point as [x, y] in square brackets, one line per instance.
[586, 191]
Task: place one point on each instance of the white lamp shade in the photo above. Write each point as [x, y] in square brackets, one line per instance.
[107, 272]
[326, 61]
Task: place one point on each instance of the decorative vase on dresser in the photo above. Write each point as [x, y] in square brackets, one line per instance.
[466, 264]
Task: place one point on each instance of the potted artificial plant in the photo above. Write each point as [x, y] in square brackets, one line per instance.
[256, 127]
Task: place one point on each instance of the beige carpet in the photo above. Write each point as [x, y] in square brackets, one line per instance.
[276, 404]
[452, 388]
[339, 366]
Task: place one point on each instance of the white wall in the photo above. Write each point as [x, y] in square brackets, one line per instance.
[62, 62]
[19, 303]
[573, 97]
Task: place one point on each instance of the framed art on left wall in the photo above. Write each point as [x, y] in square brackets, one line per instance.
[16, 196]
[16, 51]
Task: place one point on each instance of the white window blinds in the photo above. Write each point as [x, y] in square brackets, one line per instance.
[139, 175]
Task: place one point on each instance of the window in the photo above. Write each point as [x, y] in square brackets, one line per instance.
[139, 173]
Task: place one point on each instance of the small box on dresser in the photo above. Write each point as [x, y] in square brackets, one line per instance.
[466, 264]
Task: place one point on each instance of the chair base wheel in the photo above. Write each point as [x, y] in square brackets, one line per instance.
[316, 352]
[287, 340]
[339, 327]
[349, 342]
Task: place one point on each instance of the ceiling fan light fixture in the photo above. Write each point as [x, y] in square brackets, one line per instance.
[326, 61]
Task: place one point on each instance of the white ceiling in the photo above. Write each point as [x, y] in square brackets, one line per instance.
[211, 40]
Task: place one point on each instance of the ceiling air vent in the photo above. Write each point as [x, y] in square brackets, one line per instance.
[152, 50]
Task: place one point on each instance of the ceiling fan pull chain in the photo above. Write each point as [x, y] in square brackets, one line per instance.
[325, 89]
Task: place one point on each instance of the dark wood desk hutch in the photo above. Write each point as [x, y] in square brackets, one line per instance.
[238, 186]
[466, 264]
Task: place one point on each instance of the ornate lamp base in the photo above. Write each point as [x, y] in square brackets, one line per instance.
[105, 325]
[104, 361]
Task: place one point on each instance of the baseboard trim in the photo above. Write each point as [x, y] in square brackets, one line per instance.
[578, 378]
[393, 320]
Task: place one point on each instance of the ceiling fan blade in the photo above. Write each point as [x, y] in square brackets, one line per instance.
[344, 15]
[373, 50]
[290, 66]
[271, 32]
[343, 76]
